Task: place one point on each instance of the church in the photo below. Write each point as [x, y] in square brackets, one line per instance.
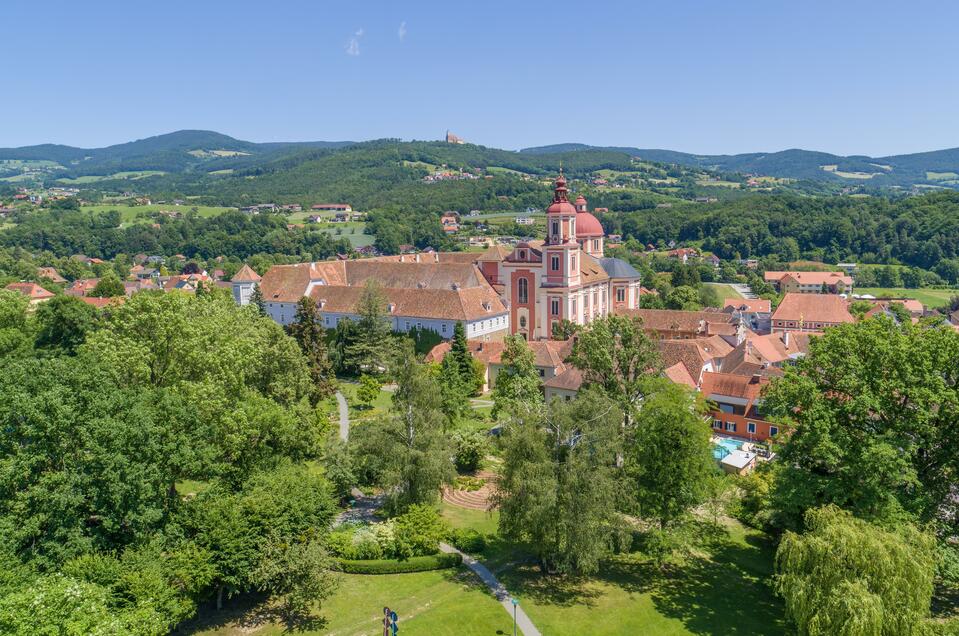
[525, 290]
[565, 277]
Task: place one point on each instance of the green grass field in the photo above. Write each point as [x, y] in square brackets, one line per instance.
[931, 298]
[722, 589]
[725, 291]
[133, 175]
[139, 213]
[441, 602]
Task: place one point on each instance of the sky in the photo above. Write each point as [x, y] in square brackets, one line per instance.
[709, 77]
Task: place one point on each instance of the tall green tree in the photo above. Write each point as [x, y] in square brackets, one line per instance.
[371, 345]
[614, 353]
[516, 389]
[256, 300]
[874, 413]
[558, 491]
[846, 576]
[669, 457]
[308, 331]
[457, 378]
[16, 331]
[410, 442]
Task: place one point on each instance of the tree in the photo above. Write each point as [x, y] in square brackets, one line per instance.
[557, 490]
[846, 576]
[109, 286]
[309, 333]
[614, 353]
[564, 330]
[256, 300]
[684, 298]
[457, 379]
[63, 323]
[669, 459]
[874, 413]
[298, 572]
[338, 464]
[517, 385]
[15, 329]
[367, 391]
[410, 442]
[370, 349]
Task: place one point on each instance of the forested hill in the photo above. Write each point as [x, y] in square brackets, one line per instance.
[936, 168]
[174, 152]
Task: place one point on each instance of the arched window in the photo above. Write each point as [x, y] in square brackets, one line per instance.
[522, 322]
[522, 291]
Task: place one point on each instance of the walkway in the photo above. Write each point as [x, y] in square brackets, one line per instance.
[522, 620]
[344, 416]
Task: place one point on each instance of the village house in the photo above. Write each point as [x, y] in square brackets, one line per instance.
[737, 401]
[243, 284]
[332, 207]
[34, 292]
[524, 220]
[683, 254]
[755, 313]
[807, 313]
[810, 282]
[51, 274]
[679, 325]
[450, 221]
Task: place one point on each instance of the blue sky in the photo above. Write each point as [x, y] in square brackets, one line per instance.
[701, 76]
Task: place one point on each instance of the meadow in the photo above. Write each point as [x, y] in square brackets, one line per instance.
[931, 298]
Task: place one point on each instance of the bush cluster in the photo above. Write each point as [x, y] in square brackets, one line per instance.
[416, 533]
[440, 561]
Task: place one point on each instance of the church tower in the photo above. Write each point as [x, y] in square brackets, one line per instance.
[562, 249]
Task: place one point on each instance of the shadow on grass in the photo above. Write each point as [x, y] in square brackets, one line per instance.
[245, 613]
[729, 593]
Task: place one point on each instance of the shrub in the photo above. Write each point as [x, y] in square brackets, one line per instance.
[468, 540]
[438, 561]
[418, 531]
[470, 450]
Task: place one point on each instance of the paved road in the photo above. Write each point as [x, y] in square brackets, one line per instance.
[522, 620]
[344, 416]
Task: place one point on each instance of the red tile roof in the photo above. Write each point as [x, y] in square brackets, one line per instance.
[813, 309]
[758, 305]
[30, 290]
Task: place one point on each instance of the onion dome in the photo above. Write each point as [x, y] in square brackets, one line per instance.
[561, 204]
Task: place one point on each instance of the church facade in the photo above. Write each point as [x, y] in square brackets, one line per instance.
[565, 277]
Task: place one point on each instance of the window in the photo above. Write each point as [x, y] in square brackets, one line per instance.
[326, 319]
[751, 427]
[731, 426]
[522, 291]
[522, 322]
[620, 295]
[572, 264]
[407, 325]
[572, 306]
[555, 228]
[773, 431]
[542, 373]
[554, 306]
[554, 263]
[522, 254]
[595, 244]
[717, 423]
[443, 327]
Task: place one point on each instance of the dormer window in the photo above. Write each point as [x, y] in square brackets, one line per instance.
[522, 255]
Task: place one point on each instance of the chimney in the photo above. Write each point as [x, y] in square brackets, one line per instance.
[786, 339]
[755, 379]
[322, 303]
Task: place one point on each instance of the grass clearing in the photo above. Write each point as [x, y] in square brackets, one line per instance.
[941, 176]
[725, 291]
[931, 298]
[438, 602]
[141, 213]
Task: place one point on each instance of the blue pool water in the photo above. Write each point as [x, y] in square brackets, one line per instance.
[725, 446]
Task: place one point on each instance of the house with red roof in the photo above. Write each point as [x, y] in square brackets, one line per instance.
[34, 292]
[810, 312]
[810, 282]
[737, 405]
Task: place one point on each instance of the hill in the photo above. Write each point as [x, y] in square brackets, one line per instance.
[939, 168]
[179, 151]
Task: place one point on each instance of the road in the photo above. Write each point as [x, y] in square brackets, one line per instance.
[344, 416]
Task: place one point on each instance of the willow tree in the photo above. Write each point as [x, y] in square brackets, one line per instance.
[847, 576]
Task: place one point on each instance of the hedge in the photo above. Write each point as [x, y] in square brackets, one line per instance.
[439, 561]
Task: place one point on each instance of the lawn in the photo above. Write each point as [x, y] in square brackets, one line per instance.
[139, 213]
[931, 298]
[723, 589]
[725, 291]
[440, 602]
[379, 407]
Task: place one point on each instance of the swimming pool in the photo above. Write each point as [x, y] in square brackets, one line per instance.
[724, 446]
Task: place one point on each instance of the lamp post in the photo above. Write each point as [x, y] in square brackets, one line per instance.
[515, 602]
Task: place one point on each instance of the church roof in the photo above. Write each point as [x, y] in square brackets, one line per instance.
[618, 268]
